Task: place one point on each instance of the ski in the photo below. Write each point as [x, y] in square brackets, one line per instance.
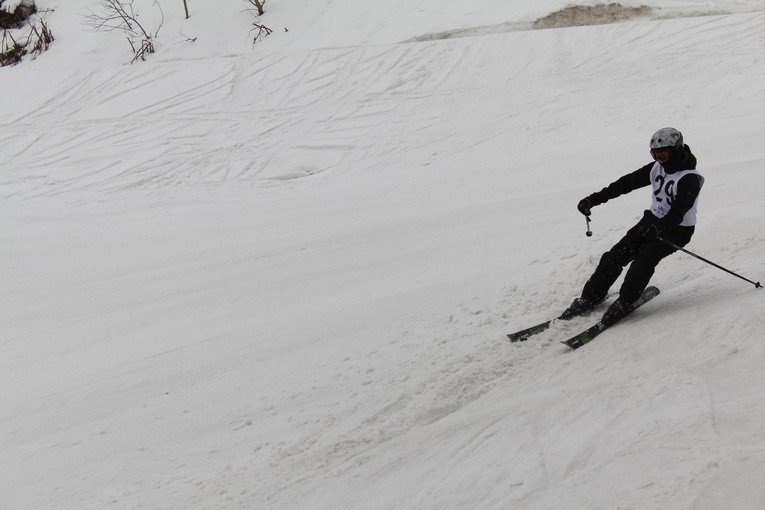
[524, 334]
[586, 336]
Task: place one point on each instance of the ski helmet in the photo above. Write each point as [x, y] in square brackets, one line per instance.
[667, 138]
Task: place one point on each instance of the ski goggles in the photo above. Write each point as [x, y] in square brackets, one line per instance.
[661, 155]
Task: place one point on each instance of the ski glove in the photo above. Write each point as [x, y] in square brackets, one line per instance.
[649, 232]
[584, 206]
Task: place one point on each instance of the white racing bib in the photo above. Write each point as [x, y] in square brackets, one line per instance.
[664, 188]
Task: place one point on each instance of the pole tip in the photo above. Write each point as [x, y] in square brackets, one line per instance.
[757, 285]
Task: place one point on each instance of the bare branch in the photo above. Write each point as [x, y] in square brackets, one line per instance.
[162, 19]
[186, 37]
[120, 15]
[259, 5]
[261, 32]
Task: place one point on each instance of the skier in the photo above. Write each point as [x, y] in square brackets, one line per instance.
[676, 186]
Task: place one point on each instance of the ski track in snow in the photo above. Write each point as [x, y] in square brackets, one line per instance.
[421, 150]
[155, 128]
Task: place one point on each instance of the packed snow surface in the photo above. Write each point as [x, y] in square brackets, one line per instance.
[279, 275]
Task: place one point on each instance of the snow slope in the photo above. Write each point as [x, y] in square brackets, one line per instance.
[280, 276]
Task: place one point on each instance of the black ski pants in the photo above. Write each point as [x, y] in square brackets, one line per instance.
[644, 255]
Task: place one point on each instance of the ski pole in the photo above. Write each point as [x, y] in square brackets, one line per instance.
[756, 284]
[589, 232]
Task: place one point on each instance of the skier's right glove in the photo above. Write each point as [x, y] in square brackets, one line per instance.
[584, 206]
[649, 232]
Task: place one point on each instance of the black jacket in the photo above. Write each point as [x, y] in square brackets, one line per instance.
[687, 190]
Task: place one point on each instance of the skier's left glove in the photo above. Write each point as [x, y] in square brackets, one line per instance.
[584, 206]
[649, 232]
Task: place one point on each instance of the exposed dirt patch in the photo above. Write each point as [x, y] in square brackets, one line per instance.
[574, 16]
[581, 15]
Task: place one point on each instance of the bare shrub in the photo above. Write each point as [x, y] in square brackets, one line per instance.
[11, 51]
[39, 39]
[17, 16]
[120, 15]
[13, 48]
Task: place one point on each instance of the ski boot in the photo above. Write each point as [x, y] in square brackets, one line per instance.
[579, 306]
[616, 312]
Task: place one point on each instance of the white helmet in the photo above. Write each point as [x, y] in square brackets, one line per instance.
[667, 138]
